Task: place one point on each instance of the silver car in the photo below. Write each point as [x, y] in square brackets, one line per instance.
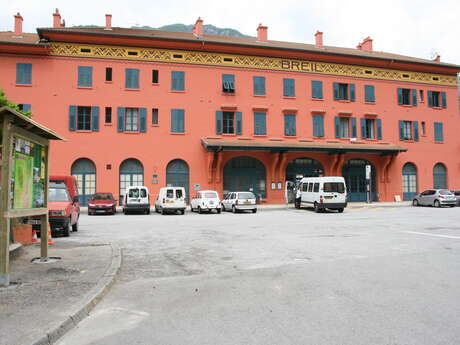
[457, 196]
[239, 201]
[435, 197]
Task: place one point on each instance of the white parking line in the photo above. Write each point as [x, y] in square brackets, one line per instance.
[434, 235]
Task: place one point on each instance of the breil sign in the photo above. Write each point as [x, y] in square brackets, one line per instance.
[304, 66]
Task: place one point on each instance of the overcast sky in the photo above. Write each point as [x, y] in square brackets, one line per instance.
[408, 27]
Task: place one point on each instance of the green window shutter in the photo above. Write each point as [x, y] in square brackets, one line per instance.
[121, 119]
[288, 87]
[259, 85]
[95, 119]
[181, 120]
[72, 117]
[321, 126]
[400, 95]
[85, 76]
[363, 127]
[318, 126]
[401, 130]
[414, 96]
[239, 122]
[177, 121]
[173, 121]
[416, 137]
[317, 89]
[336, 90]
[289, 125]
[260, 124]
[178, 80]
[219, 119]
[131, 78]
[438, 132]
[352, 92]
[354, 133]
[443, 99]
[379, 129]
[337, 126]
[143, 120]
[430, 98]
[24, 73]
[26, 108]
[369, 93]
[128, 78]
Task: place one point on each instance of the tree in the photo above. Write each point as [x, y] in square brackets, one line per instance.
[5, 102]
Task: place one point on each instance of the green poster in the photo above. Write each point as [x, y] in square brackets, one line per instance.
[23, 181]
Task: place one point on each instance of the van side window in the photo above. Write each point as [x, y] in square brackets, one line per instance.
[310, 187]
[316, 187]
[304, 187]
[134, 193]
[143, 193]
[169, 193]
[179, 193]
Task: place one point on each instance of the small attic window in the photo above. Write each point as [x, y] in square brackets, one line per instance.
[368, 72]
[85, 50]
[178, 56]
[228, 59]
[406, 76]
[132, 53]
[435, 78]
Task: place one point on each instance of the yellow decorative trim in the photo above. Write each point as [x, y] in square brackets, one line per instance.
[243, 61]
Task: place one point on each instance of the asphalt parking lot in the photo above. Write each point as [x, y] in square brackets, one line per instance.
[380, 275]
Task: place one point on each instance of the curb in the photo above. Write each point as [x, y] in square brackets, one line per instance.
[82, 309]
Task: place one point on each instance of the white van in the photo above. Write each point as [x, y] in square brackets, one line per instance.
[322, 192]
[171, 199]
[136, 199]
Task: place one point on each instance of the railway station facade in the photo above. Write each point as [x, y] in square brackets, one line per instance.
[154, 108]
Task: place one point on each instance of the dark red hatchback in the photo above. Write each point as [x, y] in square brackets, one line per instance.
[102, 203]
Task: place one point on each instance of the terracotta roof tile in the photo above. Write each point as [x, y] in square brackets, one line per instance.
[25, 38]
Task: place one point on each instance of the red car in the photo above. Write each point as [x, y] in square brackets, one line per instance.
[102, 203]
[63, 210]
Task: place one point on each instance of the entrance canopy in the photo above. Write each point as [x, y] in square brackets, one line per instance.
[280, 145]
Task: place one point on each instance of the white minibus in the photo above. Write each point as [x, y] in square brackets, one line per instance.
[322, 193]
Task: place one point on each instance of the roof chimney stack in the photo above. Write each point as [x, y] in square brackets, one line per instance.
[108, 22]
[366, 44]
[198, 28]
[262, 33]
[18, 24]
[57, 19]
[437, 58]
[319, 39]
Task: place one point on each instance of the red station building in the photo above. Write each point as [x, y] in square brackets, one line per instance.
[155, 107]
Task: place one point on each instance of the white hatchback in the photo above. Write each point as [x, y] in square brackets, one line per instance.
[205, 201]
[239, 201]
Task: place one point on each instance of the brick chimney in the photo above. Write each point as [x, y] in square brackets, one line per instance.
[198, 28]
[262, 33]
[437, 58]
[57, 19]
[18, 24]
[108, 22]
[319, 39]
[366, 44]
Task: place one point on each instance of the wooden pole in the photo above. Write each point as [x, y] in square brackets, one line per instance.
[44, 218]
[5, 200]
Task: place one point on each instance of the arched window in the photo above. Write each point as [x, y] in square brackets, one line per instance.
[245, 173]
[178, 175]
[84, 171]
[409, 175]
[131, 174]
[440, 176]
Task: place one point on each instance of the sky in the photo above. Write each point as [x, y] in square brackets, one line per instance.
[414, 28]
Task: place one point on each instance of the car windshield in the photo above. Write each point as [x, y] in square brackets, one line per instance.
[133, 193]
[210, 195]
[334, 187]
[102, 196]
[246, 195]
[58, 194]
[445, 192]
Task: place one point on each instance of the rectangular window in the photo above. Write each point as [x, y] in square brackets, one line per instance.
[316, 89]
[131, 78]
[228, 83]
[155, 76]
[369, 93]
[438, 132]
[228, 122]
[108, 74]
[437, 99]
[177, 121]
[344, 127]
[260, 123]
[259, 85]
[408, 130]
[290, 125]
[177, 80]
[155, 116]
[343, 91]
[288, 87]
[24, 73]
[24, 107]
[318, 126]
[407, 96]
[421, 96]
[132, 119]
[108, 114]
[423, 128]
[85, 76]
[83, 118]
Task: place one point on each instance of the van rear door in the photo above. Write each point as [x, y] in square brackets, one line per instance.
[133, 196]
[334, 192]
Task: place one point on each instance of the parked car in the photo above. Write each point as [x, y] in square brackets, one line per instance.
[102, 203]
[239, 201]
[171, 200]
[457, 195]
[205, 201]
[63, 211]
[322, 193]
[136, 199]
[435, 197]
[69, 181]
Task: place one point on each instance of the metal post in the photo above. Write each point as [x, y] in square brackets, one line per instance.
[44, 218]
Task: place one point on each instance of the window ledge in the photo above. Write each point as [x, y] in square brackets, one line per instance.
[83, 131]
[317, 99]
[260, 135]
[290, 136]
[370, 139]
[289, 97]
[261, 96]
[127, 89]
[108, 82]
[177, 91]
[406, 105]
[316, 138]
[177, 133]
[439, 142]
[24, 85]
[85, 87]
[108, 124]
[131, 132]
[156, 125]
[228, 93]
[408, 140]
[369, 103]
[343, 100]
[155, 84]
[436, 108]
[228, 134]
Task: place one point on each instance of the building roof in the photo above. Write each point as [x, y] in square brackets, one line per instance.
[279, 145]
[24, 38]
[243, 41]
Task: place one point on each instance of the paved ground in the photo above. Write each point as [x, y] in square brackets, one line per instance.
[380, 275]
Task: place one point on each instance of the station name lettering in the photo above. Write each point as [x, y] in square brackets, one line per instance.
[305, 66]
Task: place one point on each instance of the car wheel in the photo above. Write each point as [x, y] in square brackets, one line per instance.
[191, 209]
[437, 203]
[223, 208]
[75, 226]
[415, 202]
[162, 211]
[66, 230]
[233, 209]
[254, 210]
[297, 203]
[315, 207]
[200, 211]
[340, 210]
[156, 210]
[218, 211]
[114, 211]
[147, 211]
[182, 212]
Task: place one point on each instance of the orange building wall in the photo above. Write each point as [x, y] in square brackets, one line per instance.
[54, 88]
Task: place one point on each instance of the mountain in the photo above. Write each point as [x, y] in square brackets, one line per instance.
[207, 28]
